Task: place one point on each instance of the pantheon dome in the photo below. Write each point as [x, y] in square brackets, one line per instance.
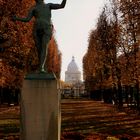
[72, 75]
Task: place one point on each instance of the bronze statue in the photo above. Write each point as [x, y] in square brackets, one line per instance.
[42, 30]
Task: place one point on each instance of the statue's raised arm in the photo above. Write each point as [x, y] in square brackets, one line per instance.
[58, 6]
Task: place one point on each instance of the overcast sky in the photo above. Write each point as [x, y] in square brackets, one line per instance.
[72, 27]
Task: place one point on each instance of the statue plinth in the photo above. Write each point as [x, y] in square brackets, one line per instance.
[40, 108]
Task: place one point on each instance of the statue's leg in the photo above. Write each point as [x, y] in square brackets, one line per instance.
[38, 44]
[44, 53]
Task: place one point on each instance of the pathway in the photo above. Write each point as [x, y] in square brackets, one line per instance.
[85, 116]
[89, 116]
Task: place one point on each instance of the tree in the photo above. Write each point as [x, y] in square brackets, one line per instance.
[131, 20]
[54, 58]
[18, 51]
[15, 44]
[116, 45]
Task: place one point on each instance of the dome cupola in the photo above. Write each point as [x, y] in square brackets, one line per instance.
[72, 75]
[72, 67]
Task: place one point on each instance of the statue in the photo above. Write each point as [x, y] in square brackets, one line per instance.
[42, 30]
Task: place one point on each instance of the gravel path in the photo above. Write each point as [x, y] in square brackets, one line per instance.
[89, 116]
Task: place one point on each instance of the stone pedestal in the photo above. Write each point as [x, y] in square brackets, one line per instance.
[40, 108]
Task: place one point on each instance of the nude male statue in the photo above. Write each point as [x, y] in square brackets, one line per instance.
[42, 30]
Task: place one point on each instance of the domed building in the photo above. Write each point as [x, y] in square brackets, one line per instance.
[72, 75]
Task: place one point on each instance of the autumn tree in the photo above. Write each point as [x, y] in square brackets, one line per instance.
[89, 66]
[115, 42]
[18, 51]
[54, 58]
[15, 44]
[131, 20]
[107, 70]
[108, 37]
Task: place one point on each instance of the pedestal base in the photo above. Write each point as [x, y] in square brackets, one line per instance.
[40, 108]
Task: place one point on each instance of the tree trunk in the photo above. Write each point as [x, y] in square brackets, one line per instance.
[120, 94]
[137, 95]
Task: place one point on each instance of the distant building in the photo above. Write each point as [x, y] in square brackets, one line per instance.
[72, 75]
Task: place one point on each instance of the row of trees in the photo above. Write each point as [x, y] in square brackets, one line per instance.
[18, 54]
[112, 60]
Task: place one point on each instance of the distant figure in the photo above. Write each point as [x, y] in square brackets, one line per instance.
[42, 30]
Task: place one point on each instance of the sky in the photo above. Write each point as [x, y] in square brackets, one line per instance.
[72, 28]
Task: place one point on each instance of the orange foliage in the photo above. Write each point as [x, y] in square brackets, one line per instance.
[16, 44]
[117, 32]
[19, 54]
[54, 58]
